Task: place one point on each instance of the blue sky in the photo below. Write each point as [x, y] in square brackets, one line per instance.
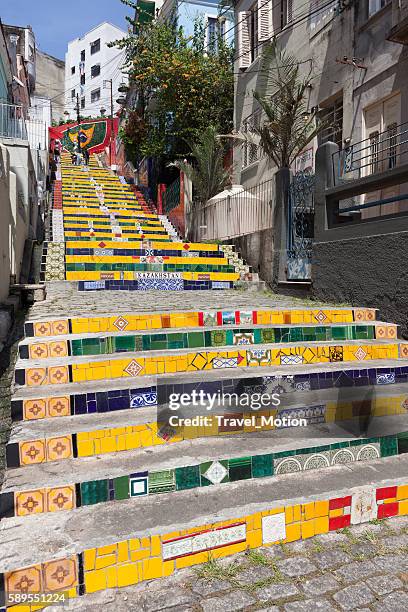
[56, 22]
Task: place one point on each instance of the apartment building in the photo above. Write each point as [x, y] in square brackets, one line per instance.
[90, 68]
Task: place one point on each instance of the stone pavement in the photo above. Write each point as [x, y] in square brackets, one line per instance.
[362, 568]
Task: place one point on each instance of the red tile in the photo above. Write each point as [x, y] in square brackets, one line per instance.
[385, 510]
[339, 502]
[339, 522]
[386, 492]
[219, 317]
[255, 317]
[237, 317]
[200, 319]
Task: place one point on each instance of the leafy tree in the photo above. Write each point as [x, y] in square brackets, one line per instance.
[287, 125]
[208, 174]
[181, 86]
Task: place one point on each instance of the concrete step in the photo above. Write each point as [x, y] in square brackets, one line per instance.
[29, 403]
[134, 541]
[38, 372]
[196, 464]
[112, 342]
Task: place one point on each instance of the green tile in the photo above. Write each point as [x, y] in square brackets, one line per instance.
[218, 337]
[198, 339]
[187, 477]
[162, 482]
[339, 333]
[94, 491]
[262, 466]
[389, 446]
[402, 439]
[267, 336]
[121, 486]
[124, 343]
[240, 469]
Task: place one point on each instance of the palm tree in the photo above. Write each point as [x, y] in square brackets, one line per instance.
[287, 124]
[207, 174]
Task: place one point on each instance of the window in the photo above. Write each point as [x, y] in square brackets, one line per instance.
[82, 102]
[95, 71]
[73, 94]
[321, 13]
[95, 95]
[83, 55]
[376, 5]
[286, 10]
[73, 70]
[212, 33]
[82, 79]
[253, 32]
[251, 152]
[332, 116]
[95, 46]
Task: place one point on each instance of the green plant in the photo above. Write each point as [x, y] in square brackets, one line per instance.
[180, 90]
[207, 174]
[287, 125]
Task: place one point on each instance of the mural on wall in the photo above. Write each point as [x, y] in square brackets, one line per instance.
[93, 134]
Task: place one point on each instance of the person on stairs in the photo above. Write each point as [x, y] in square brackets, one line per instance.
[86, 156]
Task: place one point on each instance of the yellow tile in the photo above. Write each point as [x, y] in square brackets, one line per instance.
[111, 577]
[293, 532]
[85, 449]
[289, 514]
[152, 568]
[89, 559]
[308, 511]
[107, 550]
[321, 525]
[95, 581]
[337, 512]
[297, 513]
[128, 574]
[168, 568]
[138, 555]
[108, 445]
[155, 546]
[403, 507]
[254, 538]
[308, 529]
[402, 492]
[321, 508]
[123, 553]
[190, 560]
[105, 561]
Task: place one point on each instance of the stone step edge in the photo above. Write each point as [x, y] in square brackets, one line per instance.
[119, 484]
[219, 311]
[277, 372]
[246, 327]
[24, 364]
[261, 515]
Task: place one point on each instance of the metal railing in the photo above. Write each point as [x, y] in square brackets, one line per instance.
[12, 121]
[171, 197]
[245, 212]
[380, 152]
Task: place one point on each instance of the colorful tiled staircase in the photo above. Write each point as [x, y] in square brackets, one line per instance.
[106, 237]
[101, 492]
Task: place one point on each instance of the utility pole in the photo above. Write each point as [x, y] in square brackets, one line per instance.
[109, 83]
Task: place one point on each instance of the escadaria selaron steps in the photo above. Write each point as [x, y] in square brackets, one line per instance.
[101, 491]
[106, 238]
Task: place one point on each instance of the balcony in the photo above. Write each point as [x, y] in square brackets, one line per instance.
[380, 153]
[399, 30]
[12, 122]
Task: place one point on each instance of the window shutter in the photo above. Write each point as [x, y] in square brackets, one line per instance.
[264, 20]
[290, 11]
[244, 39]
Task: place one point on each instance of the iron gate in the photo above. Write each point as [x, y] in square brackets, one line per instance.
[300, 217]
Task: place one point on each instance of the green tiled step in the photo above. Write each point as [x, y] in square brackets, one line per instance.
[99, 344]
[141, 267]
[214, 462]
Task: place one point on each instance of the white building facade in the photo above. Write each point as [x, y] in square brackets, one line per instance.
[90, 65]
